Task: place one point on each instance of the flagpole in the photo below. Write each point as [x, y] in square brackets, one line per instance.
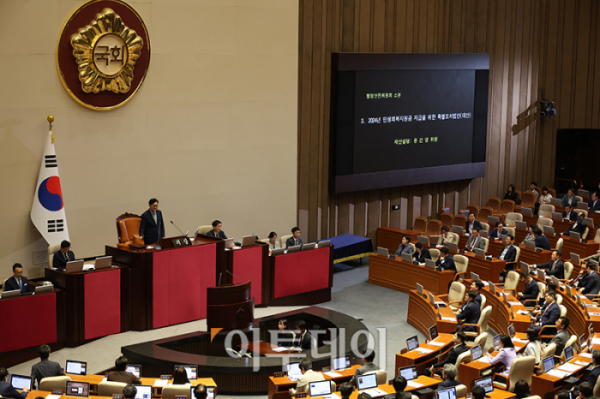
[50, 120]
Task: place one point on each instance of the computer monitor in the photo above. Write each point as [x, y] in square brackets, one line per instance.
[583, 193]
[382, 251]
[582, 205]
[511, 331]
[408, 372]
[433, 332]
[452, 246]
[568, 351]
[430, 263]
[548, 230]
[76, 367]
[229, 243]
[20, 381]
[145, 391]
[423, 240]
[574, 236]
[556, 216]
[190, 369]
[520, 225]
[78, 388]
[541, 274]
[135, 369]
[446, 393]
[483, 233]
[556, 201]
[420, 289]
[324, 244]
[103, 262]
[530, 245]
[431, 299]
[74, 266]
[480, 253]
[492, 220]
[476, 352]
[474, 276]
[588, 221]
[486, 383]
[341, 363]
[319, 388]
[524, 266]
[278, 251]
[575, 257]
[492, 287]
[11, 294]
[42, 289]
[248, 240]
[505, 298]
[458, 230]
[582, 341]
[412, 343]
[497, 342]
[210, 392]
[526, 211]
[293, 369]
[548, 363]
[366, 381]
[295, 248]
[406, 257]
[310, 246]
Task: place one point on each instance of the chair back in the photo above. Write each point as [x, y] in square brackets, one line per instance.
[283, 239]
[52, 383]
[528, 200]
[597, 236]
[484, 213]
[511, 231]
[521, 369]
[559, 302]
[485, 226]
[459, 360]
[420, 225]
[474, 209]
[204, 228]
[459, 220]
[585, 213]
[461, 391]
[552, 191]
[446, 218]
[494, 203]
[512, 217]
[4, 284]
[568, 270]
[265, 240]
[481, 339]
[546, 210]
[518, 192]
[559, 243]
[585, 233]
[597, 388]
[457, 291]
[54, 248]
[455, 235]
[545, 222]
[461, 262]
[578, 198]
[381, 376]
[433, 227]
[518, 249]
[563, 310]
[108, 388]
[171, 391]
[550, 350]
[483, 302]
[435, 254]
[333, 386]
[511, 281]
[487, 244]
[128, 225]
[484, 318]
[542, 290]
[507, 206]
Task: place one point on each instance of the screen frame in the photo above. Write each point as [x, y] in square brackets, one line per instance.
[67, 383]
[27, 377]
[75, 361]
[143, 385]
[364, 376]
[319, 382]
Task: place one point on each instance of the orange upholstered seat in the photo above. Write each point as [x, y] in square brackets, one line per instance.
[128, 229]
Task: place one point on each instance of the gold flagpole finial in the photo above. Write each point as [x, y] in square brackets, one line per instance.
[50, 120]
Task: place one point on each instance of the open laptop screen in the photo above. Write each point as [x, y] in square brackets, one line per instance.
[497, 342]
[412, 343]
[340, 363]
[77, 388]
[20, 381]
[485, 383]
[511, 331]
[135, 369]
[143, 392]
[448, 393]
[190, 369]
[568, 351]
[75, 367]
[409, 372]
[548, 363]
[320, 388]
[476, 352]
[367, 381]
[433, 332]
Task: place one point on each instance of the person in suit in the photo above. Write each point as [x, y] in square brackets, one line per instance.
[562, 336]
[592, 283]
[531, 288]
[594, 203]
[509, 252]
[569, 214]
[295, 239]
[478, 392]
[129, 391]
[541, 241]
[421, 253]
[578, 226]
[469, 312]
[550, 314]
[200, 392]
[45, 367]
[285, 337]
[405, 246]
[63, 255]
[445, 237]
[582, 278]
[120, 375]
[586, 391]
[459, 340]
[498, 232]
[477, 286]
[152, 226]
[7, 390]
[399, 383]
[17, 281]
[471, 224]
[449, 376]
[367, 367]
[346, 390]
[217, 230]
[555, 266]
[304, 340]
[475, 240]
[593, 375]
[308, 376]
[446, 261]
[569, 199]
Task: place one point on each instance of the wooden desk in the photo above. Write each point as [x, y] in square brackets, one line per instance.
[263, 348]
[422, 314]
[546, 385]
[250, 263]
[279, 386]
[529, 256]
[423, 359]
[95, 379]
[403, 276]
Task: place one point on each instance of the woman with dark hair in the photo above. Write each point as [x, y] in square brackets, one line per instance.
[285, 337]
[530, 236]
[273, 242]
[546, 197]
[510, 193]
[506, 354]
[522, 389]
[534, 347]
[180, 377]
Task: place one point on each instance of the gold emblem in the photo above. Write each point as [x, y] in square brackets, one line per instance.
[106, 51]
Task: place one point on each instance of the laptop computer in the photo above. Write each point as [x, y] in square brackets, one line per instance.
[412, 343]
[324, 244]
[582, 205]
[407, 257]
[520, 225]
[548, 363]
[492, 287]
[431, 299]
[248, 240]
[524, 266]
[145, 391]
[556, 201]
[505, 298]
[229, 243]
[557, 216]
[423, 240]
[474, 276]
[492, 220]
[483, 233]
[486, 383]
[497, 342]
[548, 230]
[465, 212]
[382, 251]
[526, 211]
[582, 341]
[575, 257]
[420, 289]
[135, 369]
[408, 372]
[480, 253]
[10, 294]
[341, 363]
[511, 331]
[309, 246]
[77, 388]
[76, 367]
[367, 383]
[190, 369]
[210, 392]
[103, 262]
[20, 381]
[433, 332]
[430, 263]
[320, 388]
[588, 221]
[458, 230]
[42, 289]
[476, 352]
[293, 371]
[574, 236]
[591, 330]
[530, 245]
[583, 193]
[541, 274]
[295, 248]
[446, 393]
[452, 246]
[568, 352]
[279, 251]
[74, 266]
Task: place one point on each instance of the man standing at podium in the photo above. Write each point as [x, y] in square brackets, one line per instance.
[152, 226]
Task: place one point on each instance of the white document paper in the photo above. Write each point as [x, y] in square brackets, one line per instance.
[588, 355]
[414, 384]
[449, 318]
[579, 362]
[424, 350]
[523, 341]
[515, 303]
[484, 359]
[160, 383]
[280, 349]
[522, 312]
[595, 341]
[558, 373]
[53, 396]
[435, 343]
[569, 367]
[333, 374]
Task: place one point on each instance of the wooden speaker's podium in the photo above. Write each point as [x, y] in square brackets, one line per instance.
[230, 307]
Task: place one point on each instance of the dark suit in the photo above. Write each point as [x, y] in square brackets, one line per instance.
[422, 256]
[478, 299]
[305, 343]
[592, 284]
[452, 355]
[152, 231]
[572, 216]
[446, 264]
[594, 206]
[560, 339]
[510, 255]
[531, 290]
[43, 369]
[542, 242]
[221, 234]
[122, 376]
[59, 261]
[494, 233]
[286, 339]
[8, 391]
[475, 224]
[12, 284]
[558, 270]
[448, 384]
[469, 314]
[593, 376]
[569, 201]
[364, 369]
[291, 243]
[577, 227]
[550, 315]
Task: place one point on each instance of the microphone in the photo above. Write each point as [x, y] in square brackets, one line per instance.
[234, 275]
[179, 229]
[219, 282]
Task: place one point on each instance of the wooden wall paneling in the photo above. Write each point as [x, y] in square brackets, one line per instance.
[378, 24]
[521, 130]
[580, 75]
[470, 24]
[400, 27]
[532, 143]
[374, 205]
[548, 64]
[456, 27]
[513, 88]
[595, 97]
[410, 27]
[593, 53]
[432, 6]
[348, 13]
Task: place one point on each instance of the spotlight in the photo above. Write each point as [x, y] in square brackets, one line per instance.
[547, 108]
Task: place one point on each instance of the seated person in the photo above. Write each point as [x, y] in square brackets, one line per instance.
[180, 376]
[578, 226]
[459, 340]
[475, 241]
[541, 241]
[562, 336]
[216, 230]
[533, 188]
[421, 253]
[17, 281]
[542, 304]
[469, 312]
[545, 197]
[120, 375]
[129, 391]
[586, 391]
[273, 241]
[580, 280]
[569, 214]
[346, 390]
[199, 392]
[399, 383]
[308, 376]
[509, 252]
[499, 231]
[63, 255]
[445, 237]
[367, 367]
[532, 290]
[446, 261]
[505, 355]
[285, 337]
[591, 286]
[570, 199]
[555, 266]
[530, 236]
[45, 367]
[477, 286]
[550, 314]
[405, 246]
[472, 223]
[594, 203]
[478, 392]
[593, 375]
[7, 390]
[449, 374]
[534, 346]
[511, 193]
[295, 239]
[304, 341]
[522, 389]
